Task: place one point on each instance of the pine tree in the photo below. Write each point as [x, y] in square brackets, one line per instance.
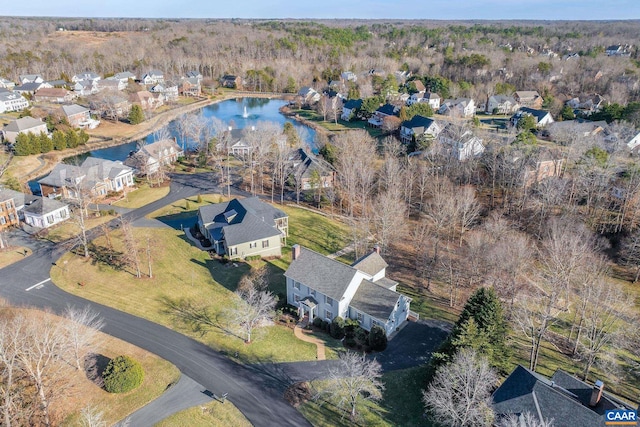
[136, 115]
[59, 140]
[46, 144]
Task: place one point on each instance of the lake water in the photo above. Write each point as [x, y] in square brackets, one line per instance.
[231, 112]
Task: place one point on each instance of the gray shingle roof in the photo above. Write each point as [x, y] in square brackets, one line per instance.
[375, 300]
[70, 110]
[325, 275]
[43, 206]
[353, 103]
[418, 123]
[370, 264]
[61, 174]
[101, 169]
[23, 124]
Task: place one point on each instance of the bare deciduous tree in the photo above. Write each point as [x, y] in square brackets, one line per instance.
[91, 416]
[460, 393]
[526, 419]
[82, 330]
[131, 252]
[253, 308]
[354, 381]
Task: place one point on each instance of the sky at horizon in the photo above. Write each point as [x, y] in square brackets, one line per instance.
[333, 9]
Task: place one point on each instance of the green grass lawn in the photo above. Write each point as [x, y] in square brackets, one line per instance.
[13, 254]
[341, 126]
[143, 195]
[401, 404]
[213, 414]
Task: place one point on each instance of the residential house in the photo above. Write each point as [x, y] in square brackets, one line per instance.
[418, 85]
[168, 89]
[8, 212]
[563, 398]
[86, 87]
[244, 227]
[31, 88]
[123, 77]
[350, 108]
[59, 84]
[190, 86]
[348, 76]
[94, 177]
[542, 169]
[419, 127]
[153, 77]
[634, 142]
[30, 78]
[147, 100]
[148, 159]
[110, 106]
[541, 117]
[7, 84]
[231, 81]
[433, 99]
[23, 125]
[113, 85]
[79, 116]
[313, 172]
[528, 98]
[87, 75]
[54, 95]
[461, 146]
[43, 212]
[194, 75]
[323, 287]
[385, 111]
[586, 104]
[502, 104]
[559, 131]
[309, 95]
[617, 50]
[12, 101]
[461, 107]
[235, 143]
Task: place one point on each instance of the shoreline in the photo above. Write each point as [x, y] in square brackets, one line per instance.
[97, 141]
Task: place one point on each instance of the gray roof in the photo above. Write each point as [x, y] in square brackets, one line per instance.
[43, 205]
[23, 124]
[254, 220]
[353, 104]
[563, 398]
[375, 300]
[325, 275]
[101, 169]
[28, 87]
[61, 174]
[124, 75]
[419, 124]
[370, 264]
[538, 114]
[87, 75]
[70, 110]
[9, 95]
[387, 109]
[309, 163]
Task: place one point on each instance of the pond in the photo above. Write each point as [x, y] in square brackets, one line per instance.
[238, 113]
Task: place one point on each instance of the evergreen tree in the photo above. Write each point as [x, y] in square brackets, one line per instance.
[72, 139]
[22, 146]
[59, 140]
[136, 115]
[83, 137]
[419, 109]
[46, 144]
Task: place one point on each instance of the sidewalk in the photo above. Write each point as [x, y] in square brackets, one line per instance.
[304, 335]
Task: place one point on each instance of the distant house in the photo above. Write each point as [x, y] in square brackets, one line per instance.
[123, 77]
[385, 111]
[53, 95]
[87, 75]
[114, 85]
[313, 171]
[617, 50]
[86, 87]
[8, 212]
[146, 100]
[528, 98]
[31, 88]
[418, 85]
[502, 104]
[309, 95]
[231, 81]
[433, 99]
[79, 116]
[563, 398]
[462, 147]
[323, 287]
[23, 125]
[148, 159]
[350, 108]
[190, 86]
[542, 170]
[244, 227]
[30, 78]
[153, 77]
[541, 117]
[419, 127]
[586, 104]
[348, 76]
[7, 84]
[110, 106]
[557, 131]
[461, 107]
[43, 212]
[168, 89]
[194, 75]
[12, 101]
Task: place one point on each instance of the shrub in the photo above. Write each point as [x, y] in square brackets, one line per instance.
[337, 328]
[253, 258]
[361, 334]
[122, 374]
[377, 338]
[350, 327]
[349, 342]
[325, 326]
[317, 322]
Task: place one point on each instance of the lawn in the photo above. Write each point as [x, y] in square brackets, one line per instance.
[341, 126]
[213, 414]
[13, 254]
[142, 196]
[70, 228]
[401, 404]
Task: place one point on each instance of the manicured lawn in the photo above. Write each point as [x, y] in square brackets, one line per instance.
[401, 404]
[341, 126]
[186, 208]
[143, 195]
[70, 228]
[213, 414]
[13, 254]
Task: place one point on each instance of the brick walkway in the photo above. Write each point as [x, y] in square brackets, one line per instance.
[307, 336]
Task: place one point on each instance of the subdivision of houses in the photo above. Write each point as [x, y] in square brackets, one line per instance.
[168, 89]
[79, 116]
[149, 158]
[528, 98]
[53, 95]
[460, 107]
[110, 106]
[586, 104]
[113, 85]
[501, 104]
[379, 115]
[194, 74]
[123, 76]
[541, 117]
[313, 172]
[350, 108]
[323, 287]
[7, 84]
[348, 76]
[153, 77]
[94, 178]
[244, 227]
[563, 398]
[419, 127]
[85, 87]
[23, 125]
[12, 101]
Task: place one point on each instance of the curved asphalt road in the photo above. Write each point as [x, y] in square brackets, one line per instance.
[256, 392]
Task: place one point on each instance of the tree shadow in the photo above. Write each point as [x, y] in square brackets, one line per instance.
[94, 366]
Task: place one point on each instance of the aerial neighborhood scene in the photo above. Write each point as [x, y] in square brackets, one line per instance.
[339, 214]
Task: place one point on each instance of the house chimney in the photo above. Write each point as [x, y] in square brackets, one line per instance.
[295, 251]
[596, 393]
[376, 249]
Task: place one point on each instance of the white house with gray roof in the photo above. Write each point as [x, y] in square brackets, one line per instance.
[244, 227]
[323, 287]
[23, 125]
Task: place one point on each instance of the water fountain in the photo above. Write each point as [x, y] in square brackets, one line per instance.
[245, 115]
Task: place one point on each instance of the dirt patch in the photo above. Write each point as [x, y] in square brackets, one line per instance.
[297, 394]
[91, 39]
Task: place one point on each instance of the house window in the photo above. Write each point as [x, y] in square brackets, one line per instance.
[265, 243]
[296, 298]
[328, 314]
[49, 219]
[328, 300]
[3, 220]
[376, 323]
[253, 245]
[12, 217]
[360, 317]
[63, 214]
[296, 285]
[233, 251]
[8, 204]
